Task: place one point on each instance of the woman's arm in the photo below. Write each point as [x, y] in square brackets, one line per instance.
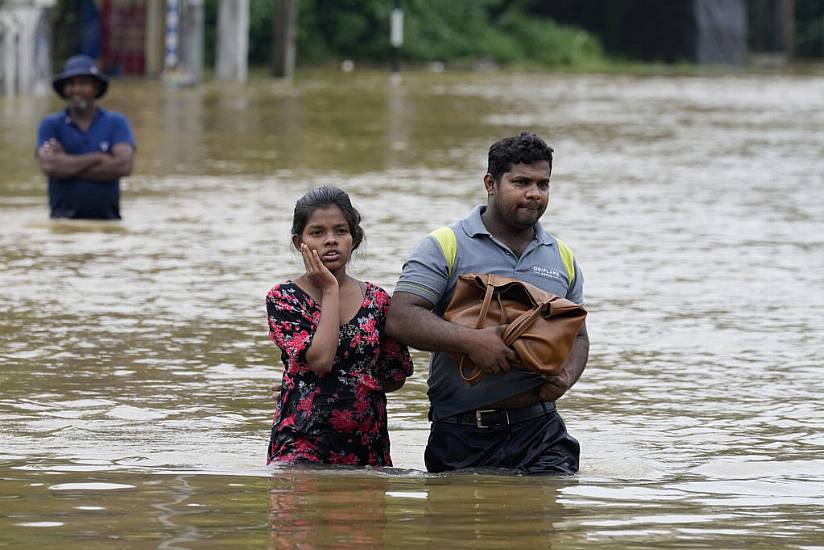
[392, 385]
[321, 353]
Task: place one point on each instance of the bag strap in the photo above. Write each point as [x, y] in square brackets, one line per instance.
[521, 323]
[474, 375]
[490, 291]
[488, 294]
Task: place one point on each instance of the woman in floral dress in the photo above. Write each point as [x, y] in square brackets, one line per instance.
[338, 363]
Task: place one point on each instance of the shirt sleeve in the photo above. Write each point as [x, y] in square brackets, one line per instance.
[122, 133]
[291, 327]
[425, 272]
[394, 362]
[45, 132]
[576, 290]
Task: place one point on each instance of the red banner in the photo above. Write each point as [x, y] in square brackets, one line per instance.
[123, 33]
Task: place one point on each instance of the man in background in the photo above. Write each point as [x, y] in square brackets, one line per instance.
[84, 150]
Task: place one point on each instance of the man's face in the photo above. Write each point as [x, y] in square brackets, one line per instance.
[80, 91]
[522, 195]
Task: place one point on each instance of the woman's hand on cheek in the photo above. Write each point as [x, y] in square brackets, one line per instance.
[318, 273]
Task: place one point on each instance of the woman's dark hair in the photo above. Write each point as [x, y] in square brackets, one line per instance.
[525, 148]
[322, 197]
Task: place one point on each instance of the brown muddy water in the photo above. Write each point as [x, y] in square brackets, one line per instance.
[135, 364]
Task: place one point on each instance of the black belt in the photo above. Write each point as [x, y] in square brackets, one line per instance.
[488, 418]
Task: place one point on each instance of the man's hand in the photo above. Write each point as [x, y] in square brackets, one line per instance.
[489, 353]
[276, 387]
[52, 147]
[98, 166]
[56, 163]
[554, 387]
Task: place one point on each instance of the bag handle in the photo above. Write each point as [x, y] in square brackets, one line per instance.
[504, 319]
[522, 323]
[473, 376]
[490, 290]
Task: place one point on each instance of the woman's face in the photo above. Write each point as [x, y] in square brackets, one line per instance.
[327, 231]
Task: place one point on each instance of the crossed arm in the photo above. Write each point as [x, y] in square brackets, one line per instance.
[56, 163]
[412, 321]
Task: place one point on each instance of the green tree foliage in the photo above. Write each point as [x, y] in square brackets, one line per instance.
[434, 30]
[809, 28]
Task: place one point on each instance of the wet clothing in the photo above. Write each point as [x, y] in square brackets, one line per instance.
[536, 444]
[339, 417]
[77, 197]
[426, 274]
[532, 440]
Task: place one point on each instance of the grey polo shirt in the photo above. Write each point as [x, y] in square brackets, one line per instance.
[426, 274]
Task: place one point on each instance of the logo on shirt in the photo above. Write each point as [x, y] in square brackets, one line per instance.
[104, 146]
[547, 273]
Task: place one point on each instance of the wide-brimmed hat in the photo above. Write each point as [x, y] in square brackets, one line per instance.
[80, 65]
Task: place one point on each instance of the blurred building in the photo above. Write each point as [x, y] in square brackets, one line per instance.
[132, 37]
[25, 47]
[696, 31]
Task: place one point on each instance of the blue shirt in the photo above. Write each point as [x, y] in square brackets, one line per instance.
[426, 274]
[83, 198]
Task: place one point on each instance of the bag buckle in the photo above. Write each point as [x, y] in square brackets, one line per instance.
[479, 423]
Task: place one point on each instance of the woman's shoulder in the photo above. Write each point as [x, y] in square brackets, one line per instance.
[287, 290]
[377, 294]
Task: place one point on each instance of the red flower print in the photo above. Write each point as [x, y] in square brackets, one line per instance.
[287, 421]
[305, 404]
[304, 447]
[368, 324]
[362, 392]
[338, 418]
[343, 420]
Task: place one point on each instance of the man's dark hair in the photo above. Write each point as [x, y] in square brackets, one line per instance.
[525, 148]
[322, 197]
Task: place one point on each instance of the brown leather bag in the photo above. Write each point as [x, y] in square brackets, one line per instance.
[541, 327]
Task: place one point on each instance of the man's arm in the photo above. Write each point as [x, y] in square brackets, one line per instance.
[56, 163]
[556, 386]
[113, 166]
[412, 322]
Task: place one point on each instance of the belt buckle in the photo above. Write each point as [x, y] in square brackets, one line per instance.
[478, 421]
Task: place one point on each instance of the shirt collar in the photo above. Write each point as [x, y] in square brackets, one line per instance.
[473, 225]
[68, 119]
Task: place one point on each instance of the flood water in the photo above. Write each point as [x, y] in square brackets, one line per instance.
[135, 364]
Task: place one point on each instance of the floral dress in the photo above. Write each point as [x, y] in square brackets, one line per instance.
[339, 417]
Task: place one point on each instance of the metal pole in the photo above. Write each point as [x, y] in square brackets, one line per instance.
[172, 19]
[283, 60]
[396, 37]
[788, 31]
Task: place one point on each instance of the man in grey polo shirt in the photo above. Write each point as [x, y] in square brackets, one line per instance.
[507, 420]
